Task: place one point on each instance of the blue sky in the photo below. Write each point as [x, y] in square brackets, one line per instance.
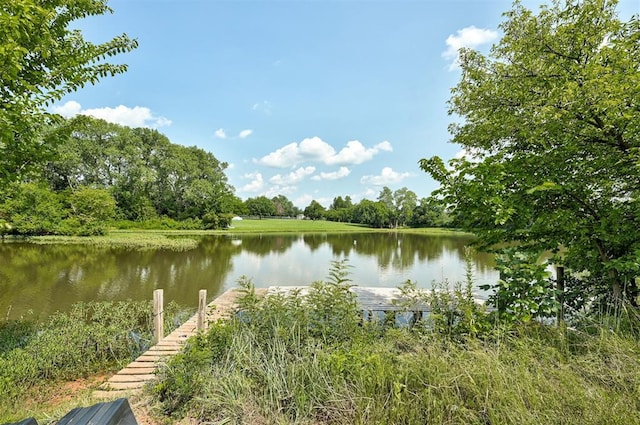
[309, 99]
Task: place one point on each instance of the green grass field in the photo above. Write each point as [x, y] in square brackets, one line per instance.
[311, 226]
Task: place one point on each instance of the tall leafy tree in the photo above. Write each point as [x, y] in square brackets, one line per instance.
[399, 204]
[42, 58]
[315, 211]
[146, 173]
[375, 214]
[386, 197]
[550, 123]
[341, 209]
[431, 212]
[284, 207]
[31, 209]
[404, 202]
[260, 206]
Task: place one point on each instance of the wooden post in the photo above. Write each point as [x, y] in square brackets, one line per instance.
[158, 315]
[560, 289]
[201, 323]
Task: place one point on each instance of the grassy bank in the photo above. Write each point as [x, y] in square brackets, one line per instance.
[183, 240]
[126, 239]
[312, 361]
[44, 364]
[276, 225]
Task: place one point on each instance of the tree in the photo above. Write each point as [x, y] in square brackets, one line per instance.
[338, 203]
[91, 210]
[551, 130]
[340, 209]
[146, 173]
[375, 214]
[260, 206]
[400, 204]
[404, 201]
[431, 212]
[284, 207]
[31, 209]
[315, 211]
[43, 59]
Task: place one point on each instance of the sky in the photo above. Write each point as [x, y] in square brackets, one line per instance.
[309, 99]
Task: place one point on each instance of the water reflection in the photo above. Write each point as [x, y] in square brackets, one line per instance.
[45, 278]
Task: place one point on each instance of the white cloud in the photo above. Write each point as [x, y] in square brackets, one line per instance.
[138, 116]
[370, 193]
[285, 157]
[69, 109]
[341, 173]
[220, 134]
[293, 177]
[469, 155]
[245, 133]
[317, 150]
[256, 184]
[387, 176]
[356, 153]
[462, 153]
[469, 37]
[279, 190]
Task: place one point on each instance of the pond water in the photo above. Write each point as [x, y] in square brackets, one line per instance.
[44, 278]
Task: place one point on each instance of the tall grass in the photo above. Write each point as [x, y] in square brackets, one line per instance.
[311, 360]
[92, 338]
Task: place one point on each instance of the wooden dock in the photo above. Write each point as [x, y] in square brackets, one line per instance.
[142, 370]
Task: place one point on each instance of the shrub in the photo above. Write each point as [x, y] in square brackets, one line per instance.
[31, 209]
[524, 290]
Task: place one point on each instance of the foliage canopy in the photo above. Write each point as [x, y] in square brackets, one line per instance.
[42, 59]
[551, 130]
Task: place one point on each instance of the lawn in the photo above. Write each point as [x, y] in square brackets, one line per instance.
[311, 226]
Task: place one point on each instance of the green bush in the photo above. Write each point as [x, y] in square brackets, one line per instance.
[524, 290]
[31, 209]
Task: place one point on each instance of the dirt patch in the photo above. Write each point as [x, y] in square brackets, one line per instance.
[68, 391]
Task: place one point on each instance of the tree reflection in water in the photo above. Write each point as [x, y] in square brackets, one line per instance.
[46, 278]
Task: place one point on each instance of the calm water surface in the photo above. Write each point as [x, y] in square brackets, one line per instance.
[46, 278]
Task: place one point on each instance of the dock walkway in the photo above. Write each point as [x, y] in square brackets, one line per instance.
[142, 370]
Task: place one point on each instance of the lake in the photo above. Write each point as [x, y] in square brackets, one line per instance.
[46, 278]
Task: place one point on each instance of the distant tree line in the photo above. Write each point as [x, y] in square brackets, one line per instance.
[391, 210]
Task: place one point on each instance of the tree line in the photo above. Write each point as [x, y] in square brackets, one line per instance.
[400, 208]
[100, 172]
